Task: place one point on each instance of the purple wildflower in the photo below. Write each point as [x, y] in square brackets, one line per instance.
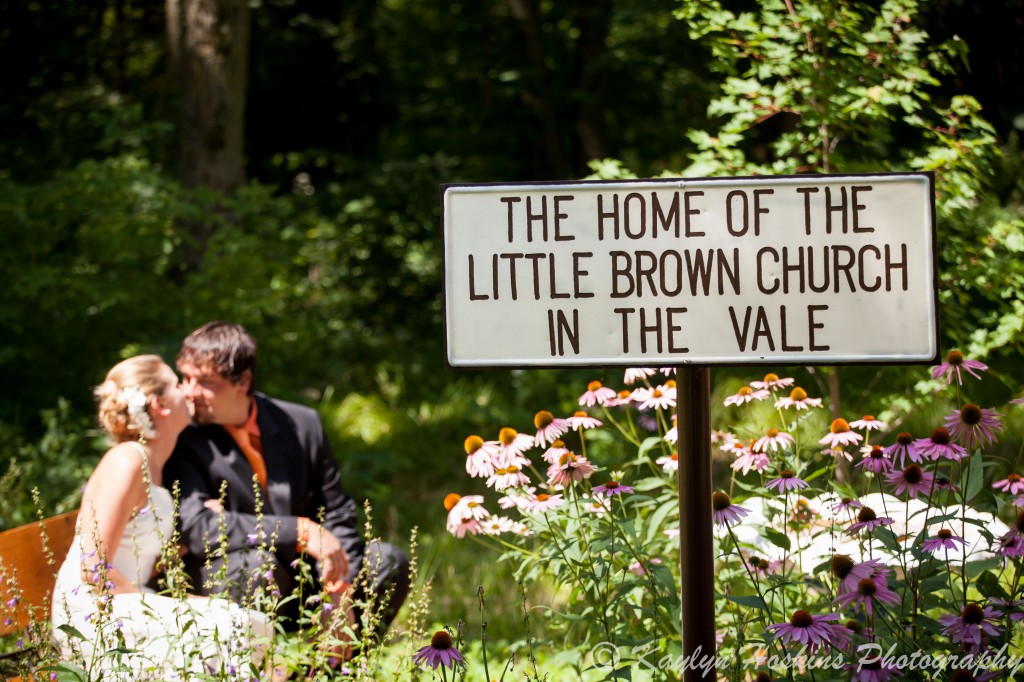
[940, 445]
[968, 626]
[973, 426]
[874, 460]
[868, 520]
[724, 512]
[944, 539]
[1012, 484]
[440, 651]
[954, 361]
[912, 479]
[612, 488]
[904, 447]
[850, 574]
[811, 631]
[787, 481]
[869, 593]
[839, 434]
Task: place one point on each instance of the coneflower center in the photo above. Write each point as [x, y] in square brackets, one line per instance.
[801, 619]
[913, 474]
[798, 394]
[839, 426]
[955, 358]
[720, 501]
[770, 378]
[566, 458]
[1020, 523]
[973, 614]
[507, 435]
[558, 443]
[944, 533]
[543, 497]
[656, 393]
[877, 452]
[786, 473]
[674, 456]
[867, 418]
[594, 385]
[745, 391]
[940, 436]
[841, 565]
[771, 433]
[543, 419]
[867, 514]
[904, 438]
[671, 383]
[867, 587]
[441, 640]
[473, 443]
[611, 485]
[579, 413]
[971, 414]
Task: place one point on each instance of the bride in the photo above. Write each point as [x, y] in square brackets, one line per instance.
[104, 617]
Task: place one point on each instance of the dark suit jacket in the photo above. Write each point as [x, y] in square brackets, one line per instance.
[302, 479]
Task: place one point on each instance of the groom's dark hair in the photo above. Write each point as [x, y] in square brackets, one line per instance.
[226, 348]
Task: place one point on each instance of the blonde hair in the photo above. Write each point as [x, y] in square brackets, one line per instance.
[142, 371]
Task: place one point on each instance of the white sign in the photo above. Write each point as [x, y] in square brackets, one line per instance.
[810, 269]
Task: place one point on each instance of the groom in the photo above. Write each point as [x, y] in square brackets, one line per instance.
[262, 448]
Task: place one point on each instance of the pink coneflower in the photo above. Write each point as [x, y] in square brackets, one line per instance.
[773, 439]
[772, 381]
[912, 479]
[569, 469]
[868, 520]
[954, 361]
[596, 393]
[940, 446]
[1009, 607]
[669, 463]
[848, 574]
[581, 420]
[798, 400]
[874, 460]
[440, 651]
[869, 423]
[556, 450]
[786, 482]
[463, 508]
[512, 445]
[944, 539]
[762, 567]
[869, 593]
[507, 477]
[746, 395]
[846, 504]
[497, 525]
[465, 525]
[973, 426]
[480, 456]
[549, 428]
[811, 631]
[1012, 484]
[905, 447]
[839, 434]
[1011, 544]
[544, 502]
[661, 397]
[621, 398]
[638, 569]
[635, 374]
[967, 626]
[748, 459]
[519, 499]
[724, 512]
[612, 488]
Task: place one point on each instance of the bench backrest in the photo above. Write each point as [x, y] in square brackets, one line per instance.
[30, 557]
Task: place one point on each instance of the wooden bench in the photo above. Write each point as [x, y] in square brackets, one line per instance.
[30, 557]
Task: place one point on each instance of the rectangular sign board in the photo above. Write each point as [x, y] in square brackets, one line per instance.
[808, 269]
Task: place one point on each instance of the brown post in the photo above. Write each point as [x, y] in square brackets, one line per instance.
[696, 549]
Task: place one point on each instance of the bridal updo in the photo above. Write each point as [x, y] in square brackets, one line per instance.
[140, 376]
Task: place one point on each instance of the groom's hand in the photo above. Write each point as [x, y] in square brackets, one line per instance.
[321, 544]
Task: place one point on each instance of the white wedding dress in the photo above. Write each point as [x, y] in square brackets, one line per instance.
[143, 635]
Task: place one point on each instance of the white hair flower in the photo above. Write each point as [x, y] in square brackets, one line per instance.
[138, 417]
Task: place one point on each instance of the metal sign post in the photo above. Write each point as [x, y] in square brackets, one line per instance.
[696, 549]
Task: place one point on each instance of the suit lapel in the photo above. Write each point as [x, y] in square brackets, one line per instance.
[276, 455]
[237, 471]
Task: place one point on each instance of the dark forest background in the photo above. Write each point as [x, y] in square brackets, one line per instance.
[277, 163]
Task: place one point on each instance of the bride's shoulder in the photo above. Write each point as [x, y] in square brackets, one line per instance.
[121, 461]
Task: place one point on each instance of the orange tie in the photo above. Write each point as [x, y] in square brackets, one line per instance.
[251, 447]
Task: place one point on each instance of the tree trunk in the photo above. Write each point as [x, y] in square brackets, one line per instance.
[208, 45]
